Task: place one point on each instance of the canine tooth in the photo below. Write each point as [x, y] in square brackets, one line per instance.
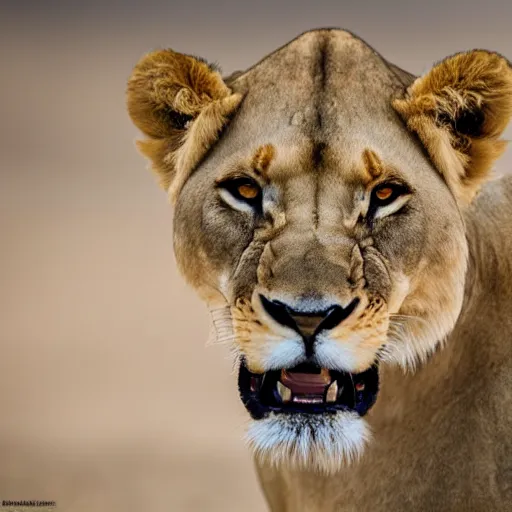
[284, 392]
[332, 392]
[326, 375]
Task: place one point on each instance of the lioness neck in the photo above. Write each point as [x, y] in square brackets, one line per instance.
[442, 434]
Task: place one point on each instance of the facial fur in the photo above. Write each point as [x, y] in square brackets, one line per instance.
[312, 134]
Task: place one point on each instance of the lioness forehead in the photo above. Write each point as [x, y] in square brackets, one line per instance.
[325, 89]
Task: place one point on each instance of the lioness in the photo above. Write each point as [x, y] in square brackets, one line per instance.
[328, 206]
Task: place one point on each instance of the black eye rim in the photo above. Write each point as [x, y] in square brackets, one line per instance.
[232, 185]
[399, 189]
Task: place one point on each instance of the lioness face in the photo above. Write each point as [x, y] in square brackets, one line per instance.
[316, 227]
[330, 256]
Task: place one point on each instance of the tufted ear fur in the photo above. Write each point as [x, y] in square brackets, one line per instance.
[459, 111]
[181, 104]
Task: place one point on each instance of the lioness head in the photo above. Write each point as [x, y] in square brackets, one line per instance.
[318, 202]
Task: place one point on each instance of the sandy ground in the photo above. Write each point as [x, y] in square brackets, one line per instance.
[109, 399]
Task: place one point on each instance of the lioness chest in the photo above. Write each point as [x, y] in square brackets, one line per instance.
[441, 440]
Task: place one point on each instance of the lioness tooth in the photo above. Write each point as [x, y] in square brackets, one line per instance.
[284, 392]
[326, 375]
[332, 392]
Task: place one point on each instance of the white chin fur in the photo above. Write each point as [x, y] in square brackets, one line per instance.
[320, 442]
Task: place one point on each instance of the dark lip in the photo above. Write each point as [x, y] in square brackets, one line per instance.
[258, 395]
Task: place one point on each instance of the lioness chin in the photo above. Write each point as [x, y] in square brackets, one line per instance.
[329, 209]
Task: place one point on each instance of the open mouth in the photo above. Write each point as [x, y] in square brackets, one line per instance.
[307, 388]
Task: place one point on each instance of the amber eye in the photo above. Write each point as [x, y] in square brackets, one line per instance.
[387, 193]
[384, 193]
[243, 189]
[248, 190]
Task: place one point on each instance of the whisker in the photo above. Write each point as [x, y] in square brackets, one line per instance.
[353, 387]
[409, 317]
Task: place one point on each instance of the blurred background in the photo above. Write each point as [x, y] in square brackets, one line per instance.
[109, 398]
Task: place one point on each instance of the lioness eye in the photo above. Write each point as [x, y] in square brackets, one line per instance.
[387, 193]
[388, 198]
[384, 193]
[248, 190]
[243, 190]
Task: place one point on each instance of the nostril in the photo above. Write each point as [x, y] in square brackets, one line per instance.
[279, 312]
[336, 315]
[307, 324]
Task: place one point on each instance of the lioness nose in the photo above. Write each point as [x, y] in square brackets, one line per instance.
[307, 323]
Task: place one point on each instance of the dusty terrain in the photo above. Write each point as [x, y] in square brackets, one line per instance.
[110, 399]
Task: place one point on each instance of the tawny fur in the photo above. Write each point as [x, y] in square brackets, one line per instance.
[262, 158]
[372, 163]
[477, 81]
[317, 129]
[166, 82]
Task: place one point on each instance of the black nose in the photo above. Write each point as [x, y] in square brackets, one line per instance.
[307, 324]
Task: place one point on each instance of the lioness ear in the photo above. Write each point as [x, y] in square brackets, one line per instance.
[459, 111]
[181, 104]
